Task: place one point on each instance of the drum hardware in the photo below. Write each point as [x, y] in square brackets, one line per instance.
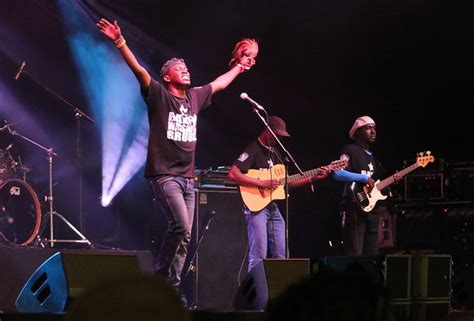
[49, 216]
[79, 115]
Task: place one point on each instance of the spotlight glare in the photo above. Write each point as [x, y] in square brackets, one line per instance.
[105, 201]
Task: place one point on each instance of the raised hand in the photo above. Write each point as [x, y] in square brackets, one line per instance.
[111, 31]
[244, 53]
[247, 62]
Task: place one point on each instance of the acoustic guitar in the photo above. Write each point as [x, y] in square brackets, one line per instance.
[256, 198]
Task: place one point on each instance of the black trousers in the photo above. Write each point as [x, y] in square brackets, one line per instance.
[360, 231]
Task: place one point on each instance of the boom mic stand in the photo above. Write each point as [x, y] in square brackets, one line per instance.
[49, 216]
[257, 108]
[79, 115]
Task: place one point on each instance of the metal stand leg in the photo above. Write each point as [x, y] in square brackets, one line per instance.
[193, 264]
[50, 215]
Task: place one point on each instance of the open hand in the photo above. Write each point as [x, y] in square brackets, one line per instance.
[111, 31]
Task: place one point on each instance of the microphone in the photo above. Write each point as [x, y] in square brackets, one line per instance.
[23, 64]
[244, 96]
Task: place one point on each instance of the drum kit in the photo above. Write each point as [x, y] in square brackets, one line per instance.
[21, 219]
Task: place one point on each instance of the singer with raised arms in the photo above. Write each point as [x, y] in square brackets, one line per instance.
[173, 106]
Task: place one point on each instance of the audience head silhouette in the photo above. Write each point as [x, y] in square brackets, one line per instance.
[332, 296]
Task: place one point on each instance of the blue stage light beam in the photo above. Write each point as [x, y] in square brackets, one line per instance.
[113, 94]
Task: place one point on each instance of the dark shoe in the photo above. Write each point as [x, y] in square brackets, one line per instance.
[184, 300]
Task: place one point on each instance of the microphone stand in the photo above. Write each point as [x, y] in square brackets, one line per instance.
[287, 157]
[49, 216]
[79, 115]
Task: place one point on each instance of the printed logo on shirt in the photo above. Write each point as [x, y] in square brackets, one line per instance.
[181, 128]
[243, 157]
[370, 172]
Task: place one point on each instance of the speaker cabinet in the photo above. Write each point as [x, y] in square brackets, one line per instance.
[268, 280]
[367, 264]
[221, 258]
[397, 276]
[431, 275]
[421, 310]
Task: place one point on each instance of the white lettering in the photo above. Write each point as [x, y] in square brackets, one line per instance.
[182, 128]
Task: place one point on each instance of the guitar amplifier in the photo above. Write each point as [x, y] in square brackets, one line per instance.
[421, 187]
[213, 178]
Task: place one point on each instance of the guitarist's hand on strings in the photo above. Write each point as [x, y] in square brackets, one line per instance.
[370, 183]
[269, 184]
[323, 172]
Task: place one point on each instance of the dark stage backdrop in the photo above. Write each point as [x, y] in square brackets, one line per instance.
[408, 64]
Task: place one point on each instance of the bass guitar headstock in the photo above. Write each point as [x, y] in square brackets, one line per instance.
[424, 158]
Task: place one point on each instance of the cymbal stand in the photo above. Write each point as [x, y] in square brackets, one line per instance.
[49, 198]
[79, 115]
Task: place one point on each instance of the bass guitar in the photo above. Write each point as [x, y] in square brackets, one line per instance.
[366, 198]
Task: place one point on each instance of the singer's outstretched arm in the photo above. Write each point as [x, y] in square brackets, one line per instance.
[113, 32]
[244, 59]
[224, 80]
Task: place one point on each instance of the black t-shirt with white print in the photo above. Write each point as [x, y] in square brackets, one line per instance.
[172, 140]
[360, 162]
[257, 156]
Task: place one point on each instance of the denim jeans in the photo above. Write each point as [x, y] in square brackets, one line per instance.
[176, 196]
[265, 233]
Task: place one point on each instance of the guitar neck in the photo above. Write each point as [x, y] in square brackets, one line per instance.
[390, 180]
[306, 174]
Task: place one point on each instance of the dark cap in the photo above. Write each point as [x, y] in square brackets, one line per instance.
[168, 64]
[278, 125]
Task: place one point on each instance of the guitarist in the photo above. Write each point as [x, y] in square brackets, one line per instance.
[359, 228]
[265, 228]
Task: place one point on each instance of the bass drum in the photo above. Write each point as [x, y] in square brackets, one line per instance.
[20, 212]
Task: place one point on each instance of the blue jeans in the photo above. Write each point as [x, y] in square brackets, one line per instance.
[176, 197]
[265, 233]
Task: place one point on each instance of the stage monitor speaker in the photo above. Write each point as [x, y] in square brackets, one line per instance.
[268, 280]
[46, 290]
[221, 259]
[35, 277]
[85, 270]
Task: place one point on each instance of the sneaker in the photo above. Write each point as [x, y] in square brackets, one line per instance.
[184, 300]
